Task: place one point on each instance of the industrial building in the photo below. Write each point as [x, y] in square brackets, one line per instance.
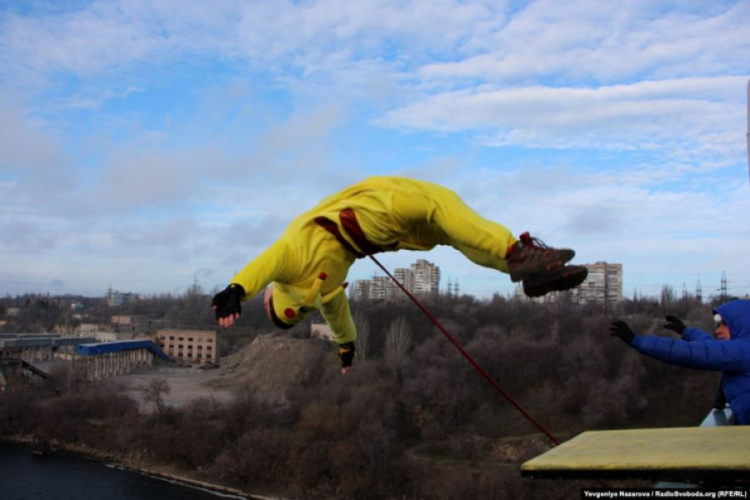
[189, 346]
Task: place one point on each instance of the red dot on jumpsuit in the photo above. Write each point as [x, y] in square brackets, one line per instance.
[289, 312]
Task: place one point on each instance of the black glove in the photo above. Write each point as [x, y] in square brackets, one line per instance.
[227, 302]
[621, 330]
[674, 324]
[346, 353]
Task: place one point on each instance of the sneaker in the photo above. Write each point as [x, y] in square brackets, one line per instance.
[530, 256]
[556, 280]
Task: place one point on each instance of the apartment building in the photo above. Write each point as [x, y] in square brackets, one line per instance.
[603, 284]
[420, 278]
[425, 278]
[378, 287]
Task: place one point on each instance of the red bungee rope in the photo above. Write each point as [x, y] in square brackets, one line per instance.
[468, 356]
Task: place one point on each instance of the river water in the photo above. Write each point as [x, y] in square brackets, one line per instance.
[24, 476]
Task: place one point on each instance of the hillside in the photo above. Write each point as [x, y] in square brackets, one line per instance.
[272, 365]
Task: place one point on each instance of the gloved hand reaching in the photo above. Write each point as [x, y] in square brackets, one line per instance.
[226, 304]
[622, 330]
[675, 324]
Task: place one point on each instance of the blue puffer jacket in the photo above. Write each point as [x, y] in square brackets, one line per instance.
[698, 349]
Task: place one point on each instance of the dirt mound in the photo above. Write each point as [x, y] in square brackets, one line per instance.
[272, 365]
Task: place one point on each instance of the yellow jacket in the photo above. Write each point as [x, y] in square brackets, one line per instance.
[393, 213]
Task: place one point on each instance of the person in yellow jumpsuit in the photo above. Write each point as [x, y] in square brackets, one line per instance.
[306, 268]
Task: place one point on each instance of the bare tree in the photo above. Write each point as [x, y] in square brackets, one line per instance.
[397, 342]
[667, 297]
[363, 335]
[155, 392]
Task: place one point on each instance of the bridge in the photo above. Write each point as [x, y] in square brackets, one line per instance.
[108, 359]
[34, 347]
[14, 369]
[27, 355]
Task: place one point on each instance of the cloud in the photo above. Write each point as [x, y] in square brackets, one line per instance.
[57, 284]
[133, 181]
[25, 150]
[108, 36]
[604, 42]
[172, 233]
[297, 144]
[21, 234]
[619, 116]
[440, 44]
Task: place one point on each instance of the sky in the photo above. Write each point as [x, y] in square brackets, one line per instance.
[149, 145]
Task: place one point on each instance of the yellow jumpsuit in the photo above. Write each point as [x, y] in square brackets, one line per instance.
[309, 263]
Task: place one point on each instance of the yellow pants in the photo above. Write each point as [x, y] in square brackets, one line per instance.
[417, 215]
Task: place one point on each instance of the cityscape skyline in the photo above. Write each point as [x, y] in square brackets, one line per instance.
[722, 283]
[385, 288]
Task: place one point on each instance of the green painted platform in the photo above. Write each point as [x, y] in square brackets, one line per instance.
[687, 454]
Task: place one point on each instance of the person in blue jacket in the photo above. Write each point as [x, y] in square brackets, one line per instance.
[729, 352]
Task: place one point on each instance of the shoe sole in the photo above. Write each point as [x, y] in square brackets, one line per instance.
[567, 256]
[561, 279]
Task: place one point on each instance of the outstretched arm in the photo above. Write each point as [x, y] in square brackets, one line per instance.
[696, 335]
[688, 333]
[724, 355]
[706, 353]
[271, 265]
